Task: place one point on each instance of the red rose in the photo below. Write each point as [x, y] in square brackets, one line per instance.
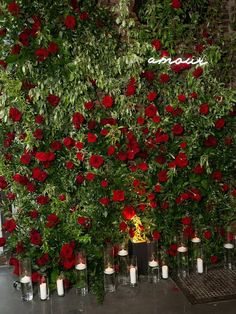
[20, 179]
[3, 183]
[233, 193]
[140, 120]
[204, 109]
[14, 114]
[111, 150]
[128, 212]
[35, 237]
[151, 110]
[164, 78]
[228, 140]
[177, 129]
[70, 22]
[56, 145]
[207, 234]
[39, 175]
[162, 176]
[198, 169]
[182, 98]
[38, 134]
[118, 196]
[219, 124]
[79, 179]
[35, 276]
[107, 101]
[89, 105]
[152, 96]
[225, 187]
[41, 54]
[156, 44]
[149, 75]
[104, 201]
[43, 260]
[31, 187]
[66, 251]
[52, 220]
[68, 142]
[15, 50]
[20, 247]
[10, 196]
[214, 259]
[42, 199]
[90, 176]
[34, 214]
[39, 119]
[96, 161]
[70, 165]
[194, 95]
[210, 141]
[53, 47]
[3, 64]
[197, 72]
[53, 100]
[181, 160]
[176, 4]
[13, 8]
[68, 264]
[3, 32]
[25, 159]
[62, 197]
[92, 138]
[199, 48]
[77, 120]
[84, 16]
[2, 241]
[104, 183]
[156, 235]
[217, 175]
[123, 226]
[186, 220]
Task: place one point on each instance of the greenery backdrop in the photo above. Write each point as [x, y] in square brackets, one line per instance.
[97, 145]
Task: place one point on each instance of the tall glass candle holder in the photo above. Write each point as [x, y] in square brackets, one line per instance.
[109, 270]
[229, 250]
[153, 263]
[123, 278]
[60, 286]
[25, 279]
[81, 273]
[182, 261]
[133, 271]
[197, 262]
[43, 288]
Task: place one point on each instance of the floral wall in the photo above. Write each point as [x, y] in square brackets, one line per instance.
[98, 145]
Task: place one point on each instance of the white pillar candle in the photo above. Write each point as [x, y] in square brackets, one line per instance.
[43, 291]
[153, 263]
[228, 246]
[133, 278]
[60, 287]
[123, 252]
[199, 265]
[80, 266]
[25, 279]
[196, 240]
[109, 271]
[182, 249]
[164, 271]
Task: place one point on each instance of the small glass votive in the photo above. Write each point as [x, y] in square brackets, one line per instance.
[25, 279]
[182, 261]
[153, 263]
[109, 270]
[60, 286]
[133, 271]
[197, 262]
[81, 273]
[229, 250]
[43, 288]
[123, 278]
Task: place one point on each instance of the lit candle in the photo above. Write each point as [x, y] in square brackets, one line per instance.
[25, 279]
[80, 266]
[132, 275]
[228, 246]
[164, 271]
[109, 270]
[123, 252]
[196, 240]
[199, 265]
[60, 287]
[182, 249]
[43, 291]
[153, 263]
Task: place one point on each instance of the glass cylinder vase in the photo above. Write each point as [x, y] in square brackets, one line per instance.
[109, 270]
[81, 273]
[123, 278]
[182, 261]
[197, 261]
[229, 250]
[153, 262]
[25, 279]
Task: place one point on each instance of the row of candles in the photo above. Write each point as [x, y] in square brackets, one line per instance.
[127, 268]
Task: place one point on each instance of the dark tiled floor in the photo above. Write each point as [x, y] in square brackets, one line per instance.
[163, 298]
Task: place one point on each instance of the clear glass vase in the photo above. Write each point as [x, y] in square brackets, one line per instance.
[197, 261]
[109, 270]
[123, 278]
[81, 273]
[153, 262]
[25, 279]
[229, 250]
